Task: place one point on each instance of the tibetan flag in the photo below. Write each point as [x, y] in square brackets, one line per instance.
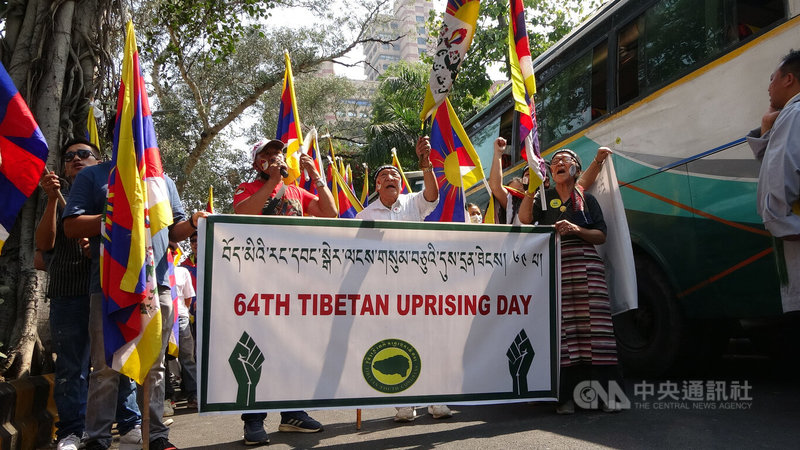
[455, 164]
[523, 86]
[346, 201]
[365, 188]
[349, 177]
[137, 209]
[396, 162]
[289, 124]
[91, 128]
[455, 37]
[210, 201]
[23, 153]
[174, 336]
[313, 152]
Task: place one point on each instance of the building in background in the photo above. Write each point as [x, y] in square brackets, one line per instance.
[407, 21]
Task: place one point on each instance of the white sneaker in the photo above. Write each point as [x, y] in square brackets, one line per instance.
[132, 440]
[70, 442]
[439, 411]
[168, 421]
[169, 410]
[405, 414]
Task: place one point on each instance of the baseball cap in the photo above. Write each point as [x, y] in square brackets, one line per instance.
[264, 143]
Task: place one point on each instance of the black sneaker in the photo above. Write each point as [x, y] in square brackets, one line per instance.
[254, 433]
[162, 444]
[298, 422]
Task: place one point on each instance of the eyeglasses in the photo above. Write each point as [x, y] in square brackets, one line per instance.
[564, 159]
[82, 154]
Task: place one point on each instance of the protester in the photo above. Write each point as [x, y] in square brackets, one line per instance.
[68, 265]
[184, 291]
[268, 195]
[392, 205]
[83, 217]
[190, 263]
[474, 212]
[588, 346]
[508, 200]
[777, 145]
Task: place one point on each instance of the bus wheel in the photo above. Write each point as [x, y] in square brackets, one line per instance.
[650, 338]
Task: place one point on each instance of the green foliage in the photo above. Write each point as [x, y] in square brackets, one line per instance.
[395, 114]
[220, 24]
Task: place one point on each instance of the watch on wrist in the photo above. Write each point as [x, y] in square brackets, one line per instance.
[319, 183]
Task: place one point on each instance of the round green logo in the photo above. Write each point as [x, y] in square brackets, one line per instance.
[391, 366]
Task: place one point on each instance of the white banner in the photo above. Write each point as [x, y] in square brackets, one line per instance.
[299, 313]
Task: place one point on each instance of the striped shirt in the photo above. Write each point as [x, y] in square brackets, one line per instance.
[68, 268]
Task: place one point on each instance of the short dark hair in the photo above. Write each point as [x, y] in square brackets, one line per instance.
[80, 140]
[791, 63]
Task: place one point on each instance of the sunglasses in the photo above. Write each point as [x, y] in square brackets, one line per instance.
[82, 154]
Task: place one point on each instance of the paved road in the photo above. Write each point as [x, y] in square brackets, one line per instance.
[771, 420]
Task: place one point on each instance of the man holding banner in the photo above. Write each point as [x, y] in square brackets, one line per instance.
[267, 195]
[391, 204]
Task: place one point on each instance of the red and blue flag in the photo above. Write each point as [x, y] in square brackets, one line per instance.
[23, 153]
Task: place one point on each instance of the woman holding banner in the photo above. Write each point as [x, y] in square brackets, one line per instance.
[588, 346]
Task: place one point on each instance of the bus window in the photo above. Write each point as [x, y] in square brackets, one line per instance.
[752, 16]
[483, 140]
[599, 77]
[675, 36]
[564, 102]
[628, 62]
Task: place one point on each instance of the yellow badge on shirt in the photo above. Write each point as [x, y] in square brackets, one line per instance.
[555, 203]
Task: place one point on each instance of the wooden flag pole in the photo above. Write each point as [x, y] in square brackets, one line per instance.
[358, 419]
[61, 201]
[146, 413]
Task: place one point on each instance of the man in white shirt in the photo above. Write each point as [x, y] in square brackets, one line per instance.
[391, 204]
[184, 292]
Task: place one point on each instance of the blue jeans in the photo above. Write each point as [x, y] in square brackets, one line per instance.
[69, 326]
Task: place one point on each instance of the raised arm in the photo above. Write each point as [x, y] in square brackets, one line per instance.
[431, 190]
[496, 173]
[589, 175]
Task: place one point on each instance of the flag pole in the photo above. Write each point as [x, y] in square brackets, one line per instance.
[146, 413]
[61, 201]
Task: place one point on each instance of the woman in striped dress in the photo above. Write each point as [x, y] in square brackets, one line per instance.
[588, 346]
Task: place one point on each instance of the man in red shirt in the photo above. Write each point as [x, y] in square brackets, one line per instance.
[268, 195]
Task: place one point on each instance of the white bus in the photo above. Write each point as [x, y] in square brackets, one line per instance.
[672, 86]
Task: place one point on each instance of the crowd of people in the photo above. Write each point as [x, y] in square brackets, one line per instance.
[68, 242]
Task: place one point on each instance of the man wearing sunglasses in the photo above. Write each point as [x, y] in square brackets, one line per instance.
[69, 268]
[83, 217]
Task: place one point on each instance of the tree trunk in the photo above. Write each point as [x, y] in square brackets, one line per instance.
[54, 69]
